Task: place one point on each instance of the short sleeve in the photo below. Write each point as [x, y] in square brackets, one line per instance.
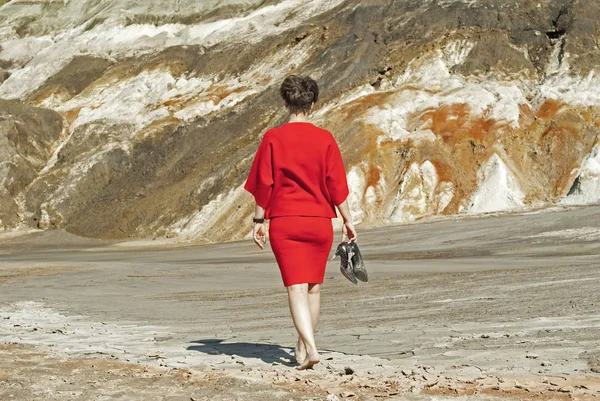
[260, 178]
[337, 185]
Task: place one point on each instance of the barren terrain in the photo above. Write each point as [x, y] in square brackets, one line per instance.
[498, 306]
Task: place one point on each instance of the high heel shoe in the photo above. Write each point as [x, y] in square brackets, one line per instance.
[358, 266]
[345, 252]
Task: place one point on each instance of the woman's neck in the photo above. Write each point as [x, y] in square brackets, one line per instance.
[298, 118]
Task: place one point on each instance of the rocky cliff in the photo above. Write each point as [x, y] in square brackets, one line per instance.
[129, 118]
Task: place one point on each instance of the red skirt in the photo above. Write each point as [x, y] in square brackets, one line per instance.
[301, 246]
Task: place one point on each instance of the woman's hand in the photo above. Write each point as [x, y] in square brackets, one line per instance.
[348, 230]
[259, 234]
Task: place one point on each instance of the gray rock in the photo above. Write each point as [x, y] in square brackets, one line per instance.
[27, 137]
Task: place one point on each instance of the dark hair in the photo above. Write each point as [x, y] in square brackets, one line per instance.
[299, 93]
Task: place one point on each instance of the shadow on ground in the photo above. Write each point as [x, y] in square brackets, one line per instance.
[269, 353]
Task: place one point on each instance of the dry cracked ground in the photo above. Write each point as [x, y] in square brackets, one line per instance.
[495, 307]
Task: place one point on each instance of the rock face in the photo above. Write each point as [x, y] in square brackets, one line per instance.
[140, 118]
[28, 136]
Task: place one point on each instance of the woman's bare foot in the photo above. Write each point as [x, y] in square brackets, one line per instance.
[300, 351]
[311, 359]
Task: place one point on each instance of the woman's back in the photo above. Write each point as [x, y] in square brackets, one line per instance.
[306, 176]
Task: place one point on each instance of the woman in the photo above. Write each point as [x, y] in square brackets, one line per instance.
[297, 179]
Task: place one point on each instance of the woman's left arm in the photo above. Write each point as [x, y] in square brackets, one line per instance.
[258, 232]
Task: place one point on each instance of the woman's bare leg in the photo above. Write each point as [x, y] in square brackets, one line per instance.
[299, 307]
[314, 304]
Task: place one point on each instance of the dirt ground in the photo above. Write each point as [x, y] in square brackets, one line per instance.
[502, 306]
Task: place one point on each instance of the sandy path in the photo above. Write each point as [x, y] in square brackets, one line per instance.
[502, 306]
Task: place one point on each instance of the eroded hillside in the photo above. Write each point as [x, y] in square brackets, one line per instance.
[140, 119]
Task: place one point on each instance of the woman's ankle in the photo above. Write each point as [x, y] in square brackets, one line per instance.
[312, 351]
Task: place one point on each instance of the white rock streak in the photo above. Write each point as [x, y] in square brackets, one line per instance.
[421, 194]
[134, 101]
[364, 198]
[589, 181]
[357, 183]
[561, 84]
[498, 189]
[196, 225]
[573, 90]
[22, 50]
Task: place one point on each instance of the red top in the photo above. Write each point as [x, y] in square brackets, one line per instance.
[298, 171]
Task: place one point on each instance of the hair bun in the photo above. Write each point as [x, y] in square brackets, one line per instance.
[299, 93]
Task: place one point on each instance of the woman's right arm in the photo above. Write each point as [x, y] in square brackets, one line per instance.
[348, 230]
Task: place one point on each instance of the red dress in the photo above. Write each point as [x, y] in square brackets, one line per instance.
[298, 177]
